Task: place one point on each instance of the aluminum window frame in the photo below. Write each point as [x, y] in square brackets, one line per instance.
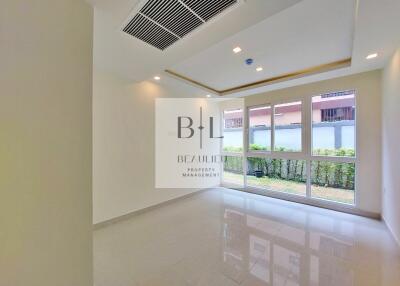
[305, 154]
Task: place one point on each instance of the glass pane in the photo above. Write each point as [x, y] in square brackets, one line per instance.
[233, 130]
[333, 181]
[233, 170]
[288, 127]
[281, 175]
[333, 116]
[260, 128]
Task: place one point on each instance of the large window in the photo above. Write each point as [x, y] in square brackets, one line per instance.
[284, 132]
[316, 160]
[333, 181]
[333, 135]
[233, 170]
[233, 175]
[333, 124]
[281, 175]
[260, 128]
[288, 127]
[233, 130]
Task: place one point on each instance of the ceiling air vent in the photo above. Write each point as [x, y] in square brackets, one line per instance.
[161, 23]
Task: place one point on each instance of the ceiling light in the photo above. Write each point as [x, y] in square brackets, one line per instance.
[237, 50]
[259, 69]
[208, 95]
[157, 77]
[371, 56]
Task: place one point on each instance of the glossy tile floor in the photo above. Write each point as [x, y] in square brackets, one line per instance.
[225, 237]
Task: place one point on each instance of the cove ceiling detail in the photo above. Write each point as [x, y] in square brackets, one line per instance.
[161, 23]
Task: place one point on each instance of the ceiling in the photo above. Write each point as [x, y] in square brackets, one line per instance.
[130, 58]
[282, 36]
[287, 42]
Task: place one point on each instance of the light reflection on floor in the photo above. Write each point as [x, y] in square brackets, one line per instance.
[226, 237]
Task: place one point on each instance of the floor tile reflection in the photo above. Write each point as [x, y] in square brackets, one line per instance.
[225, 237]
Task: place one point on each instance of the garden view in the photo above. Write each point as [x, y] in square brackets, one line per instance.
[331, 166]
[330, 180]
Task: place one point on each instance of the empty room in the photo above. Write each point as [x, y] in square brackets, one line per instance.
[199, 142]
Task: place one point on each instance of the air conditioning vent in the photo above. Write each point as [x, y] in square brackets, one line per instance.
[208, 8]
[161, 23]
[172, 15]
[149, 32]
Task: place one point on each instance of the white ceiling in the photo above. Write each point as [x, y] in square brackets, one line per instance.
[281, 35]
[128, 57]
[311, 33]
[377, 30]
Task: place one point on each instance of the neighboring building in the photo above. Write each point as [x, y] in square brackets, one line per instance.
[333, 116]
[330, 107]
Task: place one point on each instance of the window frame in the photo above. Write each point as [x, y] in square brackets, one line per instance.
[222, 126]
[355, 135]
[302, 127]
[336, 159]
[305, 154]
[273, 152]
[233, 154]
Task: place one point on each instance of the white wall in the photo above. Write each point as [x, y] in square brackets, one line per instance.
[390, 145]
[123, 146]
[45, 143]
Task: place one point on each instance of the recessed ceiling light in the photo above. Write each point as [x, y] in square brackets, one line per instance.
[208, 95]
[371, 56]
[157, 77]
[259, 69]
[237, 50]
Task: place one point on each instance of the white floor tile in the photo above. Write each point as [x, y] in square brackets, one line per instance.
[226, 237]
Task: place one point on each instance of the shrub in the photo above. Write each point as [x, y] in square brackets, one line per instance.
[323, 173]
[233, 164]
[256, 147]
[233, 149]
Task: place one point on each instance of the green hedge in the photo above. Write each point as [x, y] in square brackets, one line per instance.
[293, 170]
[233, 164]
[252, 147]
[330, 174]
[323, 173]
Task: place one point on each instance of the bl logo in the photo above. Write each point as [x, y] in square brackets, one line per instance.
[186, 122]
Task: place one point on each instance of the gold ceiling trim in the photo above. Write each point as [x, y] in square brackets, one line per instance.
[285, 77]
[192, 82]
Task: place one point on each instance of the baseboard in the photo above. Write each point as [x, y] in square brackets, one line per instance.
[147, 209]
[396, 239]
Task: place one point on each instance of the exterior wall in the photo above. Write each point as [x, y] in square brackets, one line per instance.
[368, 145]
[391, 150]
[316, 113]
[331, 135]
[325, 136]
[288, 118]
[261, 120]
[45, 143]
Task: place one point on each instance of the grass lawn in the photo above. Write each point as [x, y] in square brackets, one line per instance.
[333, 194]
